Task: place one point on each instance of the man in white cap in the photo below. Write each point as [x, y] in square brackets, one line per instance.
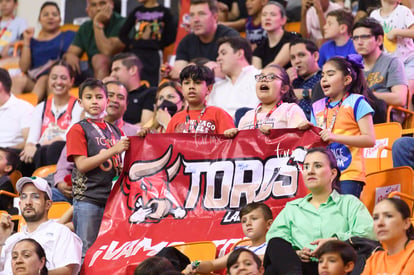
[63, 248]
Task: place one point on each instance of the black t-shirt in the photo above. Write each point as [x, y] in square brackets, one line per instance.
[138, 100]
[191, 47]
[158, 20]
[267, 54]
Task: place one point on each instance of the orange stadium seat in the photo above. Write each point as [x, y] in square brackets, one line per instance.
[32, 98]
[58, 209]
[378, 157]
[381, 183]
[242, 242]
[293, 27]
[44, 171]
[201, 251]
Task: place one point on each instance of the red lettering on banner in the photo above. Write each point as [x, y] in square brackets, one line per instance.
[191, 187]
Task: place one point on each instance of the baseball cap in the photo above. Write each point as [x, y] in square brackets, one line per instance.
[40, 184]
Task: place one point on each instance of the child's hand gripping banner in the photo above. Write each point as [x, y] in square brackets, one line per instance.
[190, 187]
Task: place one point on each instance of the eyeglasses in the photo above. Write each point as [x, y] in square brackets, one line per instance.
[363, 37]
[267, 78]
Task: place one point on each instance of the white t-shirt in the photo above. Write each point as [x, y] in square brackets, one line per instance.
[242, 93]
[62, 246]
[36, 122]
[15, 115]
[400, 18]
[287, 115]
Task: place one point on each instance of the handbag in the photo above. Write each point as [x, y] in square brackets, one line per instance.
[45, 68]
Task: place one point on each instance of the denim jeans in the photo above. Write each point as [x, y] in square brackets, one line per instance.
[58, 196]
[351, 187]
[87, 219]
[403, 152]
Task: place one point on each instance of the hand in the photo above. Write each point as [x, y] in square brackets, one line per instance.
[327, 135]
[265, 129]
[28, 34]
[108, 78]
[215, 67]
[304, 125]
[122, 145]
[392, 34]
[306, 4]
[319, 243]
[304, 254]
[143, 132]
[163, 117]
[28, 152]
[165, 70]
[231, 133]
[188, 270]
[222, 7]
[73, 61]
[317, 5]
[103, 15]
[292, 73]
[65, 189]
[6, 227]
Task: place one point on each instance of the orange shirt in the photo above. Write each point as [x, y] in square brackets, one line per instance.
[401, 263]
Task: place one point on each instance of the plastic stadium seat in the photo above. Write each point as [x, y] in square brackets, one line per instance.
[381, 183]
[202, 251]
[44, 171]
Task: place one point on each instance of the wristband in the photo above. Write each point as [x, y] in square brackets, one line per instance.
[195, 264]
[99, 25]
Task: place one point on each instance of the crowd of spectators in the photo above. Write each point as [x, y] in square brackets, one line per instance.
[237, 68]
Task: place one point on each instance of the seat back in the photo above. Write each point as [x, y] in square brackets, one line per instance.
[242, 242]
[293, 27]
[376, 158]
[11, 64]
[407, 198]
[14, 177]
[202, 251]
[32, 98]
[58, 209]
[381, 183]
[69, 27]
[44, 171]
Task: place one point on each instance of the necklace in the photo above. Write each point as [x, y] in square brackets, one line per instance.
[325, 113]
[187, 121]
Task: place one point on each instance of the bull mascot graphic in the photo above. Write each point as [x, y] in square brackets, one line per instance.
[149, 192]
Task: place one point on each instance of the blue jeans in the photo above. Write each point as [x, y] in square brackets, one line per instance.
[351, 187]
[58, 196]
[403, 152]
[87, 219]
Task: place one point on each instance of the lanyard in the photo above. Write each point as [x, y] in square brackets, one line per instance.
[187, 120]
[257, 248]
[325, 113]
[255, 124]
[116, 159]
[6, 27]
